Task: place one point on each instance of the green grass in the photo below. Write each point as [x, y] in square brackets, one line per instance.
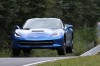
[46, 53]
[82, 39]
[82, 61]
[5, 53]
[43, 53]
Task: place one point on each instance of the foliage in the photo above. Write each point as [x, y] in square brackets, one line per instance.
[76, 12]
[80, 13]
[83, 40]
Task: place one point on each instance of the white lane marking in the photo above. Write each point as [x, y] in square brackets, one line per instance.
[39, 62]
[49, 61]
[93, 51]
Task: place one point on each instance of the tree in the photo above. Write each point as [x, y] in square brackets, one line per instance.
[80, 13]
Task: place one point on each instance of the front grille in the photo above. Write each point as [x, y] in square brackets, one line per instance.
[36, 43]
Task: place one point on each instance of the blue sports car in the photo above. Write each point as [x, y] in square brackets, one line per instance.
[43, 33]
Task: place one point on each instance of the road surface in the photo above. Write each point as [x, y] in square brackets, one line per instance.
[26, 60]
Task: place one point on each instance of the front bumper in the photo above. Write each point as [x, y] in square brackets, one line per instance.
[38, 44]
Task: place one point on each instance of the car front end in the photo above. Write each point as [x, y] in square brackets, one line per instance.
[38, 39]
[42, 33]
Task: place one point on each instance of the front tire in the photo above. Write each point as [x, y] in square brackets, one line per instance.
[26, 52]
[69, 50]
[61, 51]
[15, 52]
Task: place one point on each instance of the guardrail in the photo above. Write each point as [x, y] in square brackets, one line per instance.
[93, 51]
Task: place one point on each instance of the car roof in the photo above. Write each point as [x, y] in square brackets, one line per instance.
[44, 19]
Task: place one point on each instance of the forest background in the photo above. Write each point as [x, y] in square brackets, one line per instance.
[82, 14]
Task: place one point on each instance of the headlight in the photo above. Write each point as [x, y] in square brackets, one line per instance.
[55, 34]
[17, 35]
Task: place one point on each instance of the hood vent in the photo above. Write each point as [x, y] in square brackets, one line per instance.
[37, 30]
[26, 28]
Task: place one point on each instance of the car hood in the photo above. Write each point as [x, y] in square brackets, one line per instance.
[38, 33]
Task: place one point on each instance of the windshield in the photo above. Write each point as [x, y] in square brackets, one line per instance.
[43, 23]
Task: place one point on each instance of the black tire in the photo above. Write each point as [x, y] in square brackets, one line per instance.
[60, 52]
[69, 50]
[63, 50]
[26, 52]
[15, 52]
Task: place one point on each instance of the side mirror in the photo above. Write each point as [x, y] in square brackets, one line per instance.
[68, 26]
[17, 27]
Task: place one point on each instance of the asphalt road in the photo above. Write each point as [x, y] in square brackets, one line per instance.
[26, 60]
[22, 61]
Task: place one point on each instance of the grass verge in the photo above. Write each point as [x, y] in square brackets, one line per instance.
[82, 61]
[82, 40]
